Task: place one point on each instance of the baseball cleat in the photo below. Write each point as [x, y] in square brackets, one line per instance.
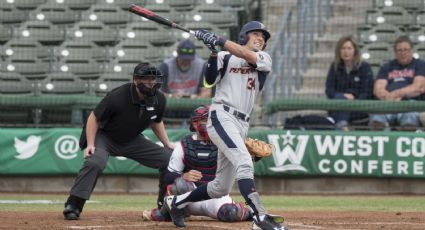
[71, 213]
[267, 223]
[146, 215]
[177, 215]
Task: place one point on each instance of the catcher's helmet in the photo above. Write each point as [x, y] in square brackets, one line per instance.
[252, 26]
[199, 114]
[144, 70]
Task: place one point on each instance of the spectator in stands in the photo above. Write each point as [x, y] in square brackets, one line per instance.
[184, 74]
[349, 78]
[400, 79]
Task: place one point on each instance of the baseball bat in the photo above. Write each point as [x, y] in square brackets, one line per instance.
[156, 18]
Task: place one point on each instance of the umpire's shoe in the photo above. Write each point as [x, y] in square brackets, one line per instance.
[266, 223]
[71, 212]
[177, 215]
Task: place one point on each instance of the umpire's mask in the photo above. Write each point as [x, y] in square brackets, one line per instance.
[152, 76]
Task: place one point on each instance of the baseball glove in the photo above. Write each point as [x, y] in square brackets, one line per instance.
[258, 148]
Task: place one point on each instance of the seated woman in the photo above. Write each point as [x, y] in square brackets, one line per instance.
[349, 78]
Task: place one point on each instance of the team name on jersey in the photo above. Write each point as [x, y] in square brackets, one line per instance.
[401, 73]
[242, 70]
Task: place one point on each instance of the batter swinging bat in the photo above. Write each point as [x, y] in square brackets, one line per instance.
[156, 18]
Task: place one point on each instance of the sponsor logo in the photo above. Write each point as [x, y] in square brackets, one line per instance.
[66, 147]
[28, 148]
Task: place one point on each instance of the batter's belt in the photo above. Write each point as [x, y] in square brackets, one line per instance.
[237, 114]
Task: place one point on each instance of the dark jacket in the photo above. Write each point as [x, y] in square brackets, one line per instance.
[359, 82]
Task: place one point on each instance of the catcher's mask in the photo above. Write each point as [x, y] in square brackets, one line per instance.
[253, 26]
[199, 114]
[144, 71]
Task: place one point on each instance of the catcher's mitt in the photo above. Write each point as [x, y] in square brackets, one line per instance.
[258, 148]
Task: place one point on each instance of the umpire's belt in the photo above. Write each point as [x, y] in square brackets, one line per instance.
[236, 113]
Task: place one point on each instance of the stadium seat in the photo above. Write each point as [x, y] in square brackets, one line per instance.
[6, 33]
[409, 5]
[106, 13]
[13, 83]
[109, 81]
[162, 10]
[55, 13]
[124, 65]
[75, 4]
[417, 35]
[213, 14]
[94, 31]
[24, 47]
[79, 50]
[390, 15]
[10, 14]
[203, 25]
[150, 31]
[420, 51]
[376, 64]
[124, 4]
[235, 5]
[377, 50]
[62, 83]
[24, 4]
[178, 5]
[25, 65]
[420, 18]
[87, 67]
[136, 50]
[44, 32]
[380, 33]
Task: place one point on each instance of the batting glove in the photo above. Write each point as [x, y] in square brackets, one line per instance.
[202, 34]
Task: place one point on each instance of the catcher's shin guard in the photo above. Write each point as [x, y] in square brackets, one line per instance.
[232, 212]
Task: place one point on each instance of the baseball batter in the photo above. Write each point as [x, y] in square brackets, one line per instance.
[193, 163]
[239, 74]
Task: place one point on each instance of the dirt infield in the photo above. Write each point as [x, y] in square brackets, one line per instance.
[133, 220]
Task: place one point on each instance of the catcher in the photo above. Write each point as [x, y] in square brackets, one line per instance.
[194, 162]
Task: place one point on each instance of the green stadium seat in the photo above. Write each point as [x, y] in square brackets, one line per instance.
[25, 65]
[87, 67]
[109, 81]
[204, 25]
[135, 49]
[24, 47]
[213, 14]
[236, 5]
[376, 64]
[6, 33]
[44, 32]
[420, 51]
[178, 5]
[63, 83]
[377, 50]
[94, 31]
[164, 10]
[124, 65]
[79, 50]
[380, 33]
[417, 35]
[124, 4]
[409, 5]
[149, 31]
[23, 4]
[106, 13]
[12, 83]
[390, 15]
[420, 18]
[10, 14]
[55, 13]
[75, 4]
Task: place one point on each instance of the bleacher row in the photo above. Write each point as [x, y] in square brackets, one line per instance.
[387, 20]
[53, 40]
[88, 47]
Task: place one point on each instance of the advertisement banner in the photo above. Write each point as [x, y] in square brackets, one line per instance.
[296, 153]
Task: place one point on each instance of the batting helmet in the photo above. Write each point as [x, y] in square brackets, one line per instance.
[252, 26]
[199, 114]
[144, 70]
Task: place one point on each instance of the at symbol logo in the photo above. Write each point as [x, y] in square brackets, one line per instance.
[66, 147]
[287, 153]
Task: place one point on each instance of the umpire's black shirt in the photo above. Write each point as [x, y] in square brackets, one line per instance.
[122, 116]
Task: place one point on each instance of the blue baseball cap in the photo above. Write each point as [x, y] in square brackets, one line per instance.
[186, 50]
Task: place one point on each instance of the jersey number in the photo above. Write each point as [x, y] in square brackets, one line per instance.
[251, 84]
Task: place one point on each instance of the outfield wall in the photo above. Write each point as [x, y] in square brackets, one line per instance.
[47, 160]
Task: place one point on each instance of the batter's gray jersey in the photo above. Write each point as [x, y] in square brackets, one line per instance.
[241, 82]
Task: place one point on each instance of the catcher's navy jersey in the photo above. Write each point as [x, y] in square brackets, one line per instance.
[241, 82]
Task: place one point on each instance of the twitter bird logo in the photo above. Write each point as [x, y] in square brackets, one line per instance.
[27, 149]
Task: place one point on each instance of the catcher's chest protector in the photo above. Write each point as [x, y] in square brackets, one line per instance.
[200, 156]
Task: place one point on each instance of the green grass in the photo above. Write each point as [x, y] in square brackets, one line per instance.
[285, 203]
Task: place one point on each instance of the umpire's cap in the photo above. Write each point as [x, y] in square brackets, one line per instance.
[252, 26]
[144, 70]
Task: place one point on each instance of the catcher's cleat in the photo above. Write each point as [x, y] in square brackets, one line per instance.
[177, 215]
[71, 213]
[156, 215]
[266, 223]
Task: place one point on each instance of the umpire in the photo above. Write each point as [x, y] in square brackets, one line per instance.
[115, 127]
